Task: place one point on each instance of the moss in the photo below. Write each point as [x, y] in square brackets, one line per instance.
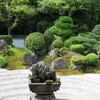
[48, 82]
[15, 60]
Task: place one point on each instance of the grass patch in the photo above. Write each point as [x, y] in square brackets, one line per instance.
[15, 59]
[66, 72]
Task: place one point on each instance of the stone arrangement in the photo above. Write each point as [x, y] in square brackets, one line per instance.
[41, 73]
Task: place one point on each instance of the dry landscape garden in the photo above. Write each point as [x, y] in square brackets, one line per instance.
[52, 42]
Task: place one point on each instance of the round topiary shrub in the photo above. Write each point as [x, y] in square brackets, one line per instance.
[77, 48]
[91, 59]
[77, 60]
[2, 62]
[35, 42]
[57, 44]
[63, 27]
[48, 36]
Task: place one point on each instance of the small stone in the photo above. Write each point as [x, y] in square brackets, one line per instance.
[59, 63]
[54, 53]
[3, 45]
[98, 54]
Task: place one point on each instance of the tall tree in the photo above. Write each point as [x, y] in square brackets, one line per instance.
[75, 5]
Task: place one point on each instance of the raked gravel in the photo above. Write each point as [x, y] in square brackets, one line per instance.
[14, 86]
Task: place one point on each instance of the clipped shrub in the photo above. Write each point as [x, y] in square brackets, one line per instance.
[2, 62]
[48, 36]
[77, 60]
[77, 48]
[57, 37]
[57, 31]
[7, 38]
[91, 59]
[63, 27]
[68, 43]
[35, 42]
[57, 44]
[96, 47]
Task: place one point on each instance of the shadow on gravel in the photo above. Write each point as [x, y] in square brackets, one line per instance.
[44, 97]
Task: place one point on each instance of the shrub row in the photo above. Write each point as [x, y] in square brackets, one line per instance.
[90, 59]
[77, 48]
[89, 40]
[37, 41]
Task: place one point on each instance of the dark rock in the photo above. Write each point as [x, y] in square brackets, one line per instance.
[37, 80]
[54, 53]
[48, 75]
[37, 69]
[29, 58]
[3, 45]
[98, 54]
[59, 63]
[41, 53]
[53, 74]
[47, 69]
[34, 57]
[43, 75]
[77, 67]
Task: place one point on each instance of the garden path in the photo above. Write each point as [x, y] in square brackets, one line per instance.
[14, 86]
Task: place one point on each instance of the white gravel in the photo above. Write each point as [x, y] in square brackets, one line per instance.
[14, 86]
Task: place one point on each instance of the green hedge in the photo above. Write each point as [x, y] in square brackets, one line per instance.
[77, 60]
[77, 48]
[7, 38]
[57, 44]
[91, 59]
